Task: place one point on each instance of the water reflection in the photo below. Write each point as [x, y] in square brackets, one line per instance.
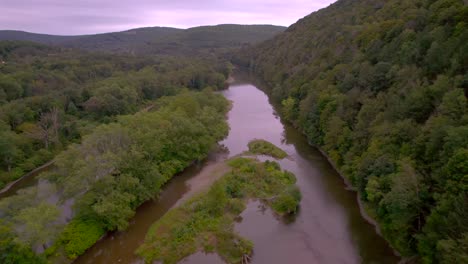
[328, 228]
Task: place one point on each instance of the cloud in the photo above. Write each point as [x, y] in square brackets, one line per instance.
[95, 16]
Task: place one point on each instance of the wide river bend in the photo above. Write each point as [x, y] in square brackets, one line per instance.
[328, 229]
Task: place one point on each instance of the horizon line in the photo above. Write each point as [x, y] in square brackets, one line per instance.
[134, 28]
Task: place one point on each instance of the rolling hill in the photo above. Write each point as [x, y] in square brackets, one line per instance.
[161, 40]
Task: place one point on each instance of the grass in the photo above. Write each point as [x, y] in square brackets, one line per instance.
[263, 147]
[206, 222]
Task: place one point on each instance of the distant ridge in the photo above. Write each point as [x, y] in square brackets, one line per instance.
[156, 39]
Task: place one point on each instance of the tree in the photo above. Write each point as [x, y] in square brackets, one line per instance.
[47, 129]
[289, 108]
[11, 88]
[404, 203]
[114, 209]
[12, 252]
[10, 153]
[38, 225]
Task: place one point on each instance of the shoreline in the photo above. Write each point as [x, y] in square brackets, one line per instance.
[50, 162]
[360, 203]
[347, 183]
[38, 169]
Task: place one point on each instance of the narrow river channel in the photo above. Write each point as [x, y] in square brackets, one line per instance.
[328, 228]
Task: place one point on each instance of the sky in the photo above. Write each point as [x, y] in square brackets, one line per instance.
[76, 17]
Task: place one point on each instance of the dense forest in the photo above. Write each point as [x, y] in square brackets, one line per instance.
[50, 98]
[382, 88]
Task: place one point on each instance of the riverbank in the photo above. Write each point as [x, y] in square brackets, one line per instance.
[327, 229]
[205, 178]
[27, 175]
[48, 164]
[349, 187]
[206, 221]
[362, 207]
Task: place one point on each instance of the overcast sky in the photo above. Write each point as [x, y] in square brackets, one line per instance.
[74, 17]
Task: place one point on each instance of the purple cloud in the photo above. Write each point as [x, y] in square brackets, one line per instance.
[96, 16]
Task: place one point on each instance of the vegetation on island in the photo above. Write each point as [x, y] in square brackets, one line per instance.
[263, 147]
[206, 222]
[382, 86]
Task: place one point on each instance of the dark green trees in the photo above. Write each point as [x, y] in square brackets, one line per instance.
[381, 87]
[51, 97]
[115, 168]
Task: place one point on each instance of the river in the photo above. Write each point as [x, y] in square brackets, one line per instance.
[328, 228]
[27, 180]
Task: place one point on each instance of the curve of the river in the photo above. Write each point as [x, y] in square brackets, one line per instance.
[328, 229]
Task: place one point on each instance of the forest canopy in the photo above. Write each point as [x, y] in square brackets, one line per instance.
[97, 185]
[51, 97]
[382, 87]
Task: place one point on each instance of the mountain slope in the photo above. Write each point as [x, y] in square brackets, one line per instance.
[124, 41]
[160, 40]
[40, 38]
[114, 41]
[381, 87]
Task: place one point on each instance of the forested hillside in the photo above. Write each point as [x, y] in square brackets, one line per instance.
[50, 98]
[18, 35]
[158, 40]
[382, 87]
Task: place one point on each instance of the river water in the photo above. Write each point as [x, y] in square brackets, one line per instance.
[28, 180]
[328, 228]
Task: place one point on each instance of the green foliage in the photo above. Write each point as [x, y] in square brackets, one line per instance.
[454, 251]
[240, 162]
[116, 168]
[263, 147]
[48, 104]
[381, 87]
[288, 201]
[289, 108]
[10, 88]
[112, 100]
[37, 224]
[121, 165]
[12, 252]
[206, 222]
[80, 235]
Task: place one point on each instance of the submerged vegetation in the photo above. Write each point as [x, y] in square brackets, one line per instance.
[206, 222]
[263, 147]
[382, 86]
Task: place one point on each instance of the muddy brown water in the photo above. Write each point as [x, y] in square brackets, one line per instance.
[328, 229]
[28, 180]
